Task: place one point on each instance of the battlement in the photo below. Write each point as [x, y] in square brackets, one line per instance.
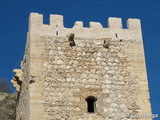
[57, 21]
[95, 29]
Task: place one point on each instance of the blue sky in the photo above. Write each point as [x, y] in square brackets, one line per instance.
[14, 26]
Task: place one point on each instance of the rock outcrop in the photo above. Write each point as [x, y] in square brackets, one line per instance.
[7, 106]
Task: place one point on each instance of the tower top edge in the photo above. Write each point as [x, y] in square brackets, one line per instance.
[56, 20]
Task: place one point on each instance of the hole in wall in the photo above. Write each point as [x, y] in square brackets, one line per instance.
[57, 29]
[116, 34]
[106, 42]
[105, 46]
[31, 81]
[91, 104]
[56, 32]
[71, 40]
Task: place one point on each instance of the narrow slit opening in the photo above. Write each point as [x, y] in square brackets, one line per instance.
[116, 34]
[57, 29]
[56, 32]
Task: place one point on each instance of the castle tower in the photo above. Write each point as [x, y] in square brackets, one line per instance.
[82, 73]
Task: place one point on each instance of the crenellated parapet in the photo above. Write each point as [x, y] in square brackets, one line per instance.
[56, 27]
[57, 21]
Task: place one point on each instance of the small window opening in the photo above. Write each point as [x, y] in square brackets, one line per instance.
[56, 32]
[91, 105]
[105, 45]
[57, 29]
[71, 40]
[106, 42]
[116, 35]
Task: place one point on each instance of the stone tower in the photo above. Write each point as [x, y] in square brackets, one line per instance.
[82, 73]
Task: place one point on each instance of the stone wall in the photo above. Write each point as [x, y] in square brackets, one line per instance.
[23, 110]
[89, 69]
[66, 65]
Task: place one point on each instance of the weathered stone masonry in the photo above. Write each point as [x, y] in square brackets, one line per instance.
[62, 67]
